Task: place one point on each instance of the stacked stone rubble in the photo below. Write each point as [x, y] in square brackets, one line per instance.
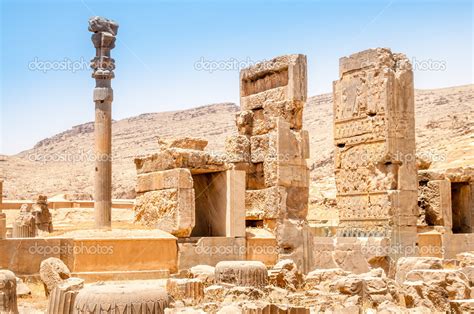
[272, 148]
[374, 138]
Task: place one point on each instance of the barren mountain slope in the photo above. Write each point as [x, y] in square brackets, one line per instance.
[64, 163]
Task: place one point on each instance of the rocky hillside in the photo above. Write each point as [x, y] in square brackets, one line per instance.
[64, 162]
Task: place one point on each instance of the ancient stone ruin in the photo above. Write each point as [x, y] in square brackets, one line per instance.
[272, 149]
[103, 65]
[374, 137]
[227, 232]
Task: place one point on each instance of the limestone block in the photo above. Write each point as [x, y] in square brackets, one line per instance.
[8, 297]
[183, 142]
[53, 271]
[293, 240]
[286, 175]
[319, 277]
[210, 251]
[256, 176]
[434, 199]
[171, 210]
[205, 273]
[190, 291]
[242, 273]
[121, 298]
[237, 148]
[266, 119]
[287, 71]
[469, 272]
[406, 264]
[235, 203]
[262, 146]
[322, 253]
[195, 160]
[265, 203]
[244, 122]
[61, 299]
[348, 255]
[265, 308]
[161, 180]
[453, 283]
[430, 244]
[297, 202]
[285, 274]
[465, 259]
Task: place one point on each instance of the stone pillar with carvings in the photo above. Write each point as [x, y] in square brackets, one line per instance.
[103, 72]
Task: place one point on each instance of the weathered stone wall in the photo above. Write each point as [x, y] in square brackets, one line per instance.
[272, 148]
[374, 138]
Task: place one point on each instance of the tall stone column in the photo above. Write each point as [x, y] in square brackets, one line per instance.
[103, 65]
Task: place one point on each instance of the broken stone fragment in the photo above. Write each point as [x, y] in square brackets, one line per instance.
[242, 273]
[61, 299]
[190, 291]
[100, 24]
[205, 273]
[407, 264]
[53, 271]
[183, 142]
[285, 274]
[8, 296]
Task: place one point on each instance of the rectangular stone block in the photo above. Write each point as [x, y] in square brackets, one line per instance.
[288, 175]
[170, 210]
[195, 160]
[285, 71]
[237, 149]
[434, 199]
[269, 203]
[175, 178]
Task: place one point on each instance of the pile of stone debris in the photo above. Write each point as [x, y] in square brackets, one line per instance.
[416, 285]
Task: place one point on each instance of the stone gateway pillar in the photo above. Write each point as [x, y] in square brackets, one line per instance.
[374, 138]
[103, 65]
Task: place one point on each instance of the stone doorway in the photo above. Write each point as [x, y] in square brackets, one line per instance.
[461, 202]
[210, 205]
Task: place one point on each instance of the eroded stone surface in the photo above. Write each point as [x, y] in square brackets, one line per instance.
[53, 271]
[242, 273]
[171, 210]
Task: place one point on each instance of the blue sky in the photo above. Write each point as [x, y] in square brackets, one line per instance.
[160, 45]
